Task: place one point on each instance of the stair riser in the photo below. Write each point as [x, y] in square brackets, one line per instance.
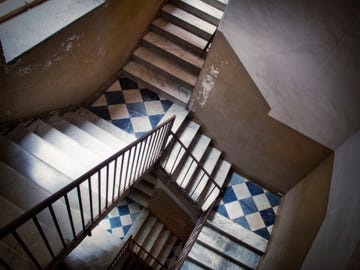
[197, 12]
[191, 28]
[177, 40]
[216, 3]
[162, 72]
[196, 70]
[154, 89]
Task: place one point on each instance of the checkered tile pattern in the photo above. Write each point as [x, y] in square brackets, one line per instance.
[120, 219]
[133, 109]
[249, 205]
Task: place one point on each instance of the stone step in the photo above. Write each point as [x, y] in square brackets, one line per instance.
[219, 4]
[201, 9]
[179, 35]
[13, 259]
[210, 259]
[63, 142]
[105, 125]
[165, 67]
[187, 135]
[167, 248]
[145, 187]
[200, 179]
[173, 51]
[228, 248]
[180, 114]
[237, 233]
[142, 234]
[158, 245]
[139, 197]
[151, 239]
[157, 83]
[211, 192]
[46, 152]
[83, 138]
[188, 21]
[189, 265]
[94, 131]
[137, 225]
[31, 167]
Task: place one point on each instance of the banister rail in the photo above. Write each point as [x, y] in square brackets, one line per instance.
[175, 165]
[77, 208]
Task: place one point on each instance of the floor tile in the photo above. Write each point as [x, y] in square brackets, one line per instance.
[132, 96]
[127, 83]
[124, 124]
[118, 111]
[101, 101]
[154, 107]
[102, 112]
[136, 109]
[115, 97]
[141, 124]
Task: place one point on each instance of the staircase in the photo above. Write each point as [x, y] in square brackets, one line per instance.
[172, 54]
[56, 186]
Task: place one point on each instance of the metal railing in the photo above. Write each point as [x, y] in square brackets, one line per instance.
[59, 223]
[141, 253]
[192, 239]
[179, 157]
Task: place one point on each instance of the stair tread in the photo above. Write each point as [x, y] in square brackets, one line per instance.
[220, 177]
[195, 6]
[180, 114]
[9, 211]
[166, 66]
[94, 130]
[152, 236]
[211, 259]
[145, 230]
[136, 226]
[220, 4]
[158, 82]
[167, 248]
[46, 152]
[139, 197]
[12, 258]
[224, 245]
[189, 265]
[200, 146]
[229, 228]
[83, 138]
[145, 187]
[110, 128]
[160, 242]
[173, 49]
[180, 33]
[31, 167]
[63, 142]
[188, 18]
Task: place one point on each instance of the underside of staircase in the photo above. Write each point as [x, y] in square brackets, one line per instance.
[40, 157]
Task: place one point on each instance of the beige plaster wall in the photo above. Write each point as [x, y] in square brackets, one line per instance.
[301, 214]
[71, 66]
[234, 113]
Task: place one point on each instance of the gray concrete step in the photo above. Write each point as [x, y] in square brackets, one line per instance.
[173, 51]
[201, 9]
[219, 4]
[188, 21]
[158, 83]
[165, 67]
[179, 35]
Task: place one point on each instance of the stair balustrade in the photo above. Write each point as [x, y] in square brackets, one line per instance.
[94, 194]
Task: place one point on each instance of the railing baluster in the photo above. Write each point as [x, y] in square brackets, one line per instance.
[81, 207]
[99, 188]
[150, 151]
[188, 170]
[139, 160]
[150, 142]
[57, 225]
[107, 186]
[121, 175]
[91, 200]
[197, 185]
[127, 167]
[157, 145]
[132, 165]
[26, 249]
[177, 156]
[43, 236]
[114, 185]
[70, 215]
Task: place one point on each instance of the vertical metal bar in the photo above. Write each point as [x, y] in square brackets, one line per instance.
[207, 196]
[43, 236]
[139, 160]
[81, 207]
[91, 201]
[107, 186]
[26, 249]
[157, 144]
[148, 150]
[177, 156]
[57, 225]
[70, 215]
[120, 174]
[115, 169]
[192, 161]
[163, 138]
[99, 188]
[127, 168]
[132, 165]
[197, 185]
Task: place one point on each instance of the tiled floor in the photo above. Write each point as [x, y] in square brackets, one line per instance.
[120, 219]
[249, 205]
[133, 109]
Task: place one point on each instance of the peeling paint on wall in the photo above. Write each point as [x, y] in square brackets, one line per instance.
[207, 85]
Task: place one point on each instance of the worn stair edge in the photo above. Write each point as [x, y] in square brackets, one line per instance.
[219, 4]
[238, 233]
[188, 21]
[157, 83]
[164, 66]
[139, 197]
[173, 51]
[180, 114]
[179, 35]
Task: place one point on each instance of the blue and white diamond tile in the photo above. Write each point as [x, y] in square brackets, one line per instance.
[132, 108]
[120, 219]
[249, 205]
